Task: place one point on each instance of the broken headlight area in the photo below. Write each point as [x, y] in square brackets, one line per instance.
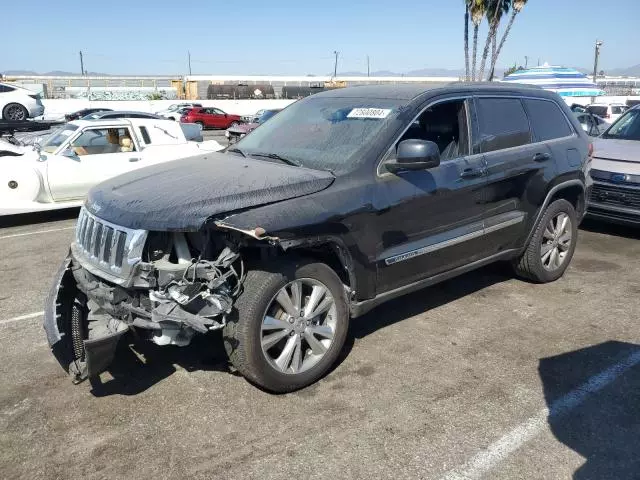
[184, 284]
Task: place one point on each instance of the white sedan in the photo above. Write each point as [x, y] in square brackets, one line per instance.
[59, 172]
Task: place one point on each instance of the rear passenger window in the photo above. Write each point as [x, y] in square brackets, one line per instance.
[547, 120]
[503, 123]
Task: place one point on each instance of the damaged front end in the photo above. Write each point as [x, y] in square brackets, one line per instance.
[167, 286]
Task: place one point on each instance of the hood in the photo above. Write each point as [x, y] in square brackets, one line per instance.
[621, 156]
[243, 128]
[183, 194]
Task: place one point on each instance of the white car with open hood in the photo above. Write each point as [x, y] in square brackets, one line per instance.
[58, 172]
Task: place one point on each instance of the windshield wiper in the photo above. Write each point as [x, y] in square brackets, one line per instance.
[275, 156]
[237, 150]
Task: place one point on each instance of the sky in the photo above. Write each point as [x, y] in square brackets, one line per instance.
[298, 37]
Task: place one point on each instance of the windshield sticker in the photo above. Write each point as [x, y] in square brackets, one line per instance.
[369, 113]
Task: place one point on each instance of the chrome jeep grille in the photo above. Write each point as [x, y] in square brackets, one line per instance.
[106, 249]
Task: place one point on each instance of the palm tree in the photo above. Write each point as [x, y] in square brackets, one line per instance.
[517, 5]
[466, 39]
[477, 10]
[495, 10]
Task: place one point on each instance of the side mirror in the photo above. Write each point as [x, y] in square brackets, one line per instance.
[69, 153]
[414, 155]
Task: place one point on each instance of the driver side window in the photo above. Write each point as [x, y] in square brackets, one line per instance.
[444, 124]
[98, 141]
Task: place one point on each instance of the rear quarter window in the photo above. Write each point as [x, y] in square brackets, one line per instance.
[503, 124]
[547, 120]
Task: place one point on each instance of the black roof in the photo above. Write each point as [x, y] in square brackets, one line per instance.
[406, 91]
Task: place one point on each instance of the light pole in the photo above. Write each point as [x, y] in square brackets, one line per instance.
[595, 62]
[335, 66]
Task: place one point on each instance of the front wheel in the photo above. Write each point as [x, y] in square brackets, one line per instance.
[233, 124]
[289, 325]
[551, 246]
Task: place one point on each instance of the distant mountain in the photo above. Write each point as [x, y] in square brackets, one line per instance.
[625, 72]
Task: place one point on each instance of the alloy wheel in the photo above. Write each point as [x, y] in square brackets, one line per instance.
[15, 113]
[556, 242]
[298, 326]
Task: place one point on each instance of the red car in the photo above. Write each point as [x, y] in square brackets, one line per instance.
[210, 117]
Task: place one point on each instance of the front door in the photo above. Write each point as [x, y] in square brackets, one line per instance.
[95, 155]
[431, 221]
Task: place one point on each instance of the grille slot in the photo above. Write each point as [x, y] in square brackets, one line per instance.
[108, 247]
[615, 195]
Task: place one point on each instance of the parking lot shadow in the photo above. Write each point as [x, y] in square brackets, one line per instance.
[594, 409]
[610, 228]
[38, 217]
[429, 298]
[138, 365]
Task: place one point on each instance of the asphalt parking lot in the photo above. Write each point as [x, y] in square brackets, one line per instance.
[484, 376]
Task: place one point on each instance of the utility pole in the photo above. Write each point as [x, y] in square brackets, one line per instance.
[595, 62]
[368, 67]
[526, 61]
[189, 61]
[335, 66]
[82, 72]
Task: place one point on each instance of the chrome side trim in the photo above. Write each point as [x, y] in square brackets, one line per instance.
[500, 226]
[453, 241]
[432, 248]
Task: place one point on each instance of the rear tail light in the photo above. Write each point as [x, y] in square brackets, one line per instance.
[590, 155]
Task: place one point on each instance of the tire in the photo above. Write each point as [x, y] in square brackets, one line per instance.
[201, 125]
[245, 335]
[233, 124]
[538, 266]
[14, 112]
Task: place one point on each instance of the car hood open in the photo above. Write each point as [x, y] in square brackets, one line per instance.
[183, 194]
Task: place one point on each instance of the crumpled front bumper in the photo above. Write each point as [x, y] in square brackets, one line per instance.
[98, 352]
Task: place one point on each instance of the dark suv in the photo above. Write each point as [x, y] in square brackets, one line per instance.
[340, 202]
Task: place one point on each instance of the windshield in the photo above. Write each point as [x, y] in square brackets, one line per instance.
[626, 128]
[325, 133]
[51, 143]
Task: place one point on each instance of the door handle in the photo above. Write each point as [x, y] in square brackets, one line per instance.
[541, 157]
[134, 159]
[471, 173]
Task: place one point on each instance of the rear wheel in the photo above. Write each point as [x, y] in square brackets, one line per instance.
[201, 125]
[14, 112]
[289, 326]
[552, 244]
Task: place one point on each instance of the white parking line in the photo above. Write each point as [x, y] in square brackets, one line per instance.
[37, 232]
[486, 460]
[22, 317]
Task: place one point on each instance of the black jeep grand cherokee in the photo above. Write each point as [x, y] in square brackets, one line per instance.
[344, 200]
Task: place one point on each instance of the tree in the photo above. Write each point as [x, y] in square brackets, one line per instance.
[495, 9]
[517, 5]
[513, 69]
[477, 9]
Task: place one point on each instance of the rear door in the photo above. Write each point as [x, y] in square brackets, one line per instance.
[516, 165]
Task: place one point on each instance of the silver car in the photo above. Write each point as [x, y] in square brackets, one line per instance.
[615, 171]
